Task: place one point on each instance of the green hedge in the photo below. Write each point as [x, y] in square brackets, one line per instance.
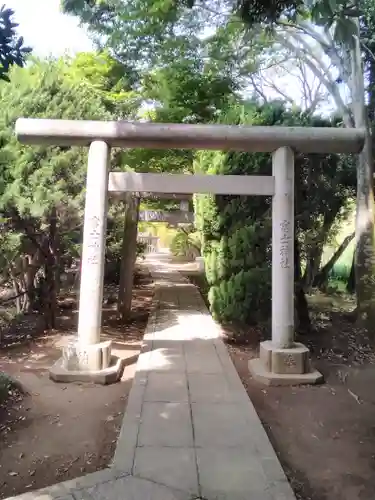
[186, 244]
[236, 230]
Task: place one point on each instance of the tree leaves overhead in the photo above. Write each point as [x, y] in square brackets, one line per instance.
[42, 188]
[12, 49]
[155, 20]
[113, 81]
[135, 30]
[251, 11]
[35, 178]
[186, 91]
[266, 11]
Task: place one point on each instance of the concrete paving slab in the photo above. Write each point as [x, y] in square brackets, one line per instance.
[144, 359]
[130, 488]
[201, 362]
[200, 347]
[89, 480]
[165, 424]
[126, 446]
[211, 388]
[173, 345]
[167, 360]
[33, 495]
[174, 467]
[127, 440]
[281, 490]
[67, 489]
[221, 424]
[273, 470]
[167, 387]
[231, 473]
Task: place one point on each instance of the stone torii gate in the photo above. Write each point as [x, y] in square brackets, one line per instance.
[282, 360]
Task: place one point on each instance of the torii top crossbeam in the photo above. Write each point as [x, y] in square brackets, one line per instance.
[184, 136]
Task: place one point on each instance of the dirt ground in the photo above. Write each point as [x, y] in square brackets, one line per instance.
[324, 435]
[56, 432]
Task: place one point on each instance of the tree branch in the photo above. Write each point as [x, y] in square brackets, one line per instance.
[323, 274]
[277, 89]
[258, 89]
[326, 81]
[28, 233]
[326, 43]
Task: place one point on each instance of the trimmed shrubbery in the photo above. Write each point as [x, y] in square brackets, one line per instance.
[236, 230]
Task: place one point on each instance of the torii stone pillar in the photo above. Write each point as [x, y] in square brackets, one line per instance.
[283, 361]
[93, 247]
[88, 358]
[283, 249]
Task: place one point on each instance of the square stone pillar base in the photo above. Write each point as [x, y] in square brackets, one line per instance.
[87, 363]
[284, 366]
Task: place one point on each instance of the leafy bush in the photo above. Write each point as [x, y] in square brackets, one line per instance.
[12, 50]
[113, 262]
[141, 249]
[341, 271]
[186, 243]
[236, 230]
[228, 298]
[238, 266]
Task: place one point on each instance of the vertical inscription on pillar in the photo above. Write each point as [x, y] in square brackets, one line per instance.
[290, 361]
[83, 358]
[285, 242]
[94, 241]
[75, 357]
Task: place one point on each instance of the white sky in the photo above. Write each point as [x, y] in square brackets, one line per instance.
[46, 29]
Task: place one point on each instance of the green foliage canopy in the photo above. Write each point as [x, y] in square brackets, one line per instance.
[41, 188]
[12, 48]
[236, 230]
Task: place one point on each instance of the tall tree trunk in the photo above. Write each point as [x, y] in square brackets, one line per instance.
[301, 304]
[365, 251]
[350, 287]
[16, 291]
[50, 290]
[316, 250]
[128, 257]
[30, 266]
[312, 267]
[371, 81]
[323, 275]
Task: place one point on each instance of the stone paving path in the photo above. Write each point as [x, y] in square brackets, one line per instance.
[190, 431]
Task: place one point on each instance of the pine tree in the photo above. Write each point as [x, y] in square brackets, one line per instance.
[41, 188]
